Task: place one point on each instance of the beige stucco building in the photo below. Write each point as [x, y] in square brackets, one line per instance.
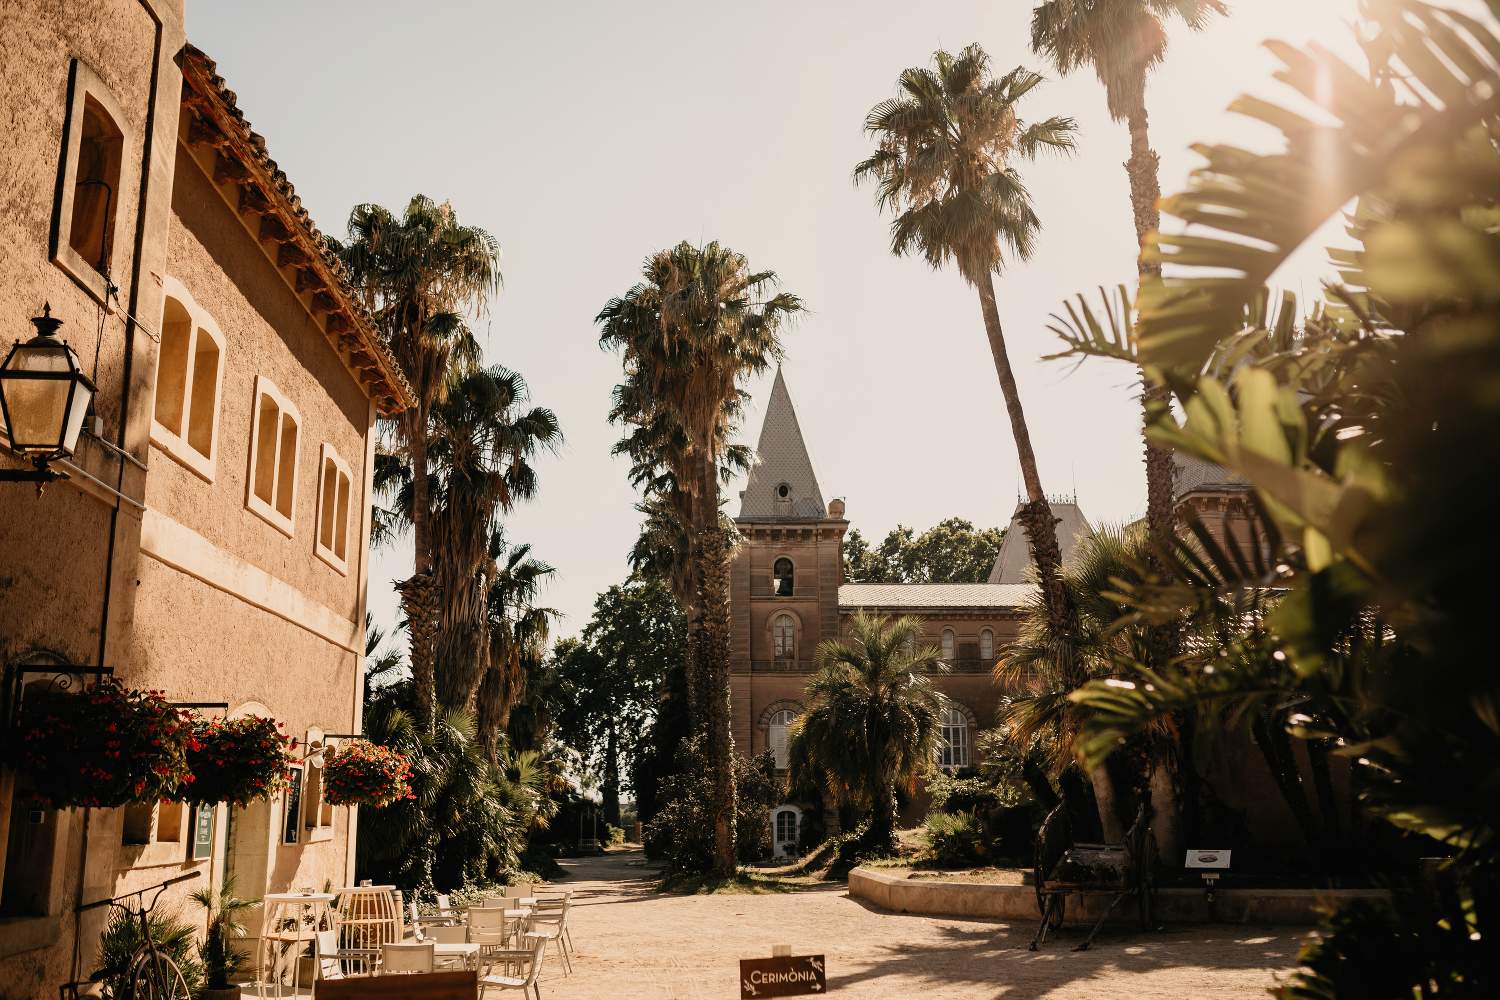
[788, 593]
[211, 538]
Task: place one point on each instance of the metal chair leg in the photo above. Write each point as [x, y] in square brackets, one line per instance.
[1041, 932]
[1100, 922]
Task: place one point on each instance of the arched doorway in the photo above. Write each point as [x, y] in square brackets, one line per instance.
[786, 828]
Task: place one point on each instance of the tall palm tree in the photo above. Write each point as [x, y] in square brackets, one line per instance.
[944, 164]
[419, 274]
[517, 635]
[483, 440]
[1124, 40]
[873, 717]
[698, 323]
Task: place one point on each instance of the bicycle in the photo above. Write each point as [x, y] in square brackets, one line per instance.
[150, 974]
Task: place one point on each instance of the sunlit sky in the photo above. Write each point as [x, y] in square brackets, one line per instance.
[586, 135]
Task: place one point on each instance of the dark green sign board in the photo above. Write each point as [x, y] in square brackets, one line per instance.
[291, 824]
[203, 832]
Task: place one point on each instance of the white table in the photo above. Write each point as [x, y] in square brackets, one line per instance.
[468, 952]
[307, 912]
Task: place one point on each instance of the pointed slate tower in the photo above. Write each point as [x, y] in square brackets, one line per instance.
[782, 484]
[784, 582]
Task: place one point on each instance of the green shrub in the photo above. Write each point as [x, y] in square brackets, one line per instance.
[614, 836]
[956, 839]
[122, 937]
[681, 833]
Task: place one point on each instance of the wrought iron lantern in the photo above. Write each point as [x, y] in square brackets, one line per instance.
[44, 397]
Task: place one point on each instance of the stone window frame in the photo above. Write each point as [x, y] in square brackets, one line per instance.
[971, 727]
[282, 522]
[796, 634]
[84, 84]
[176, 444]
[339, 518]
[29, 931]
[769, 714]
[166, 838]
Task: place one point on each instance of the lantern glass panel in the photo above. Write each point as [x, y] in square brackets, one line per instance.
[37, 406]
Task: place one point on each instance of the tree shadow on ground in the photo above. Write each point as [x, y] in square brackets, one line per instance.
[981, 952]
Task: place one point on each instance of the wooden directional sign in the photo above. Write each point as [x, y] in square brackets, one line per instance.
[783, 976]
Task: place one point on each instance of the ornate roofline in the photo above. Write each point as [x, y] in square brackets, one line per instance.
[268, 206]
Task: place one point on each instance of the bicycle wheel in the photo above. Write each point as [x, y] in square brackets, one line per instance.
[154, 976]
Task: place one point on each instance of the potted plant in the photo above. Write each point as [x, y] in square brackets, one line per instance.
[362, 773]
[221, 960]
[236, 760]
[103, 746]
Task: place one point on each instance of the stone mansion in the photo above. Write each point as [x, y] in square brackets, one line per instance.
[788, 594]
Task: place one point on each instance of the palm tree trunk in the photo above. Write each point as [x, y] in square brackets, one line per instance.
[419, 595]
[1041, 526]
[713, 662]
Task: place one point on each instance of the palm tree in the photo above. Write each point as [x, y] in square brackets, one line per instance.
[697, 325]
[1124, 40]
[517, 633]
[873, 718]
[483, 440]
[1046, 666]
[943, 165]
[419, 274]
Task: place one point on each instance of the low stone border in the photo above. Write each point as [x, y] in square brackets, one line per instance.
[935, 897]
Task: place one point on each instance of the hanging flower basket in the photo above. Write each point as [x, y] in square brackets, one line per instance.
[362, 773]
[103, 746]
[236, 760]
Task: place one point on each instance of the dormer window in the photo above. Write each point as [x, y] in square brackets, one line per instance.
[782, 582]
[783, 491]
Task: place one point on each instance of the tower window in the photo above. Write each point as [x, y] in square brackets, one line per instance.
[776, 736]
[782, 582]
[784, 637]
[783, 491]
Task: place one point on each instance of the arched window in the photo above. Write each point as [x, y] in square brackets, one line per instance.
[782, 582]
[776, 736]
[986, 645]
[784, 637]
[954, 750]
[948, 642]
[93, 186]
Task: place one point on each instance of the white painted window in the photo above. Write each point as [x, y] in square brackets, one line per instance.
[786, 826]
[948, 645]
[953, 752]
[986, 645]
[189, 379]
[274, 433]
[776, 736]
[334, 485]
[784, 637]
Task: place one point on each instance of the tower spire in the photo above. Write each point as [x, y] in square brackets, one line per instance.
[782, 483]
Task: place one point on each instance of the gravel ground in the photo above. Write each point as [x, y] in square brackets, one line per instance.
[635, 942]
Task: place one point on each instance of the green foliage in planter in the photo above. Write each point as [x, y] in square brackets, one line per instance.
[224, 910]
[103, 746]
[362, 773]
[236, 760]
[118, 943]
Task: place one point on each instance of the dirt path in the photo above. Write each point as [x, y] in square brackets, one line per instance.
[634, 942]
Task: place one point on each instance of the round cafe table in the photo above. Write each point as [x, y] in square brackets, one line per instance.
[292, 920]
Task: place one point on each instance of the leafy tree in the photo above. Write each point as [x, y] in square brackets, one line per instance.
[419, 274]
[697, 325]
[872, 719]
[613, 677]
[952, 551]
[1350, 427]
[518, 633]
[943, 162]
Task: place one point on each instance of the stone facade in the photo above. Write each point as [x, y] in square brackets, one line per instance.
[157, 557]
[788, 594]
